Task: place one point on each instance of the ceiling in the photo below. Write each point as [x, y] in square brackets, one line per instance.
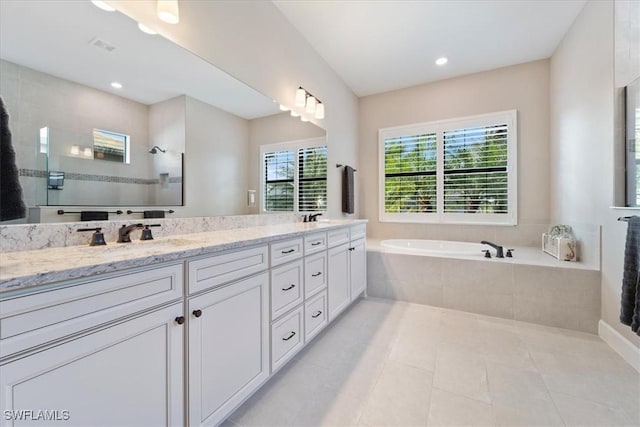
[378, 46]
[53, 37]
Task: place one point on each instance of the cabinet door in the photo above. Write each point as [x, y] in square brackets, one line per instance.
[129, 374]
[358, 268]
[338, 284]
[228, 348]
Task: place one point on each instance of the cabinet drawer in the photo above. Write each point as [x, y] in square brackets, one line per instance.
[36, 319]
[315, 243]
[218, 269]
[286, 251]
[286, 288]
[315, 274]
[315, 316]
[358, 231]
[286, 338]
[338, 237]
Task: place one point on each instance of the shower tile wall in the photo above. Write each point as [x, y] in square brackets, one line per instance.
[561, 297]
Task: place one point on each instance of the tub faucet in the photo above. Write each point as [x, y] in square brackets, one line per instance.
[499, 249]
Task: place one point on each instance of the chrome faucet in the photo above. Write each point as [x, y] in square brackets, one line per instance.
[499, 249]
[125, 230]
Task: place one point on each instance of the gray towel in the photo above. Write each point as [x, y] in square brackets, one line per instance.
[11, 204]
[348, 190]
[630, 302]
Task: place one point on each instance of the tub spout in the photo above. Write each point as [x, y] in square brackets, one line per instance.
[499, 249]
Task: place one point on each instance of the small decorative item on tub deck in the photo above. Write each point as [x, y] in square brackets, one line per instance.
[560, 243]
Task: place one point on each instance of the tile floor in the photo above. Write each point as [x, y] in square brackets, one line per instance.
[386, 363]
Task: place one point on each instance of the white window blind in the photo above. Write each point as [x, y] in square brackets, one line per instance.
[475, 170]
[312, 179]
[279, 182]
[410, 173]
[451, 171]
[295, 177]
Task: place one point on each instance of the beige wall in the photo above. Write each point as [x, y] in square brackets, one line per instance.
[271, 130]
[254, 42]
[522, 87]
[216, 152]
[583, 144]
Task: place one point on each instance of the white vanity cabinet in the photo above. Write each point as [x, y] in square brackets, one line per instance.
[347, 267]
[228, 347]
[101, 361]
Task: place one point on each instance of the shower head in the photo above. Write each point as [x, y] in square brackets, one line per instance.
[155, 149]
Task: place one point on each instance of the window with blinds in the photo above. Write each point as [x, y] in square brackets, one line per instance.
[452, 171]
[475, 170]
[312, 179]
[410, 173]
[278, 180]
[295, 178]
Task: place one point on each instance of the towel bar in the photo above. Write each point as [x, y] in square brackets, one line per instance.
[63, 212]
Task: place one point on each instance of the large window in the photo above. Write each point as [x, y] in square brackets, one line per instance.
[295, 176]
[451, 171]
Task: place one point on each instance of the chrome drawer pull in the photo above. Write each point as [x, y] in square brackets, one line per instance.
[316, 243]
[291, 335]
[288, 252]
[317, 314]
[289, 288]
[317, 274]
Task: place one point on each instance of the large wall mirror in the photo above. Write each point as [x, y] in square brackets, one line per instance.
[105, 114]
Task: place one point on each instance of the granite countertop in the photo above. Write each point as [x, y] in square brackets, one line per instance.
[26, 269]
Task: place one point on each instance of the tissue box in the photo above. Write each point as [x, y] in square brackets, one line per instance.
[562, 248]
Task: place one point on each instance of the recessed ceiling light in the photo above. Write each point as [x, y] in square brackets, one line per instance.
[168, 11]
[146, 29]
[102, 5]
[441, 61]
[116, 85]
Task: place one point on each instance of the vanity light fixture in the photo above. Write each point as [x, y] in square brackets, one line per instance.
[146, 29]
[116, 85]
[441, 61]
[168, 11]
[102, 5]
[310, 103]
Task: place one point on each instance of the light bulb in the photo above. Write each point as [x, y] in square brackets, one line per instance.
[284, 108]
[311, 105]
[146, 29]
[301, 97]
[304, 119]
[168, 11]
[320, 111]
[294, 114]
[102, 5]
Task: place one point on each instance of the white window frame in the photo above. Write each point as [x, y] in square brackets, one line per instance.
[290, 146]
[439, 127]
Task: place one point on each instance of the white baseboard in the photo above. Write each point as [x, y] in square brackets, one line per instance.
[621, 345]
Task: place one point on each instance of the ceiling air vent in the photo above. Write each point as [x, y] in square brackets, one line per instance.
[102, 44]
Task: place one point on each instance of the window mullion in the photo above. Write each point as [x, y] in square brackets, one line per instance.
[440, 173]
